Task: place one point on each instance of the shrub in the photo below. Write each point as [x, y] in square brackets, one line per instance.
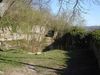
[74, 31]
[96, 37]
[77, 35]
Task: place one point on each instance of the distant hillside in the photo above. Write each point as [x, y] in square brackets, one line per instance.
[92, 28]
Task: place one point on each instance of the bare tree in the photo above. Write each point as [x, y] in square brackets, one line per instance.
[5, 5]
[77, 6]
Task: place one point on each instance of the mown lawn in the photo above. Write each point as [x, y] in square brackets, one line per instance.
[54, 59]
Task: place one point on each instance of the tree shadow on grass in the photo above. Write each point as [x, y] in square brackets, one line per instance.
[82, 60]
[30, 66]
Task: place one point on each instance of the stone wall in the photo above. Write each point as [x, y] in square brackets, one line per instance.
[37, 37]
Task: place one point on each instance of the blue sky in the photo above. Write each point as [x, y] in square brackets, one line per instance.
[92, 17]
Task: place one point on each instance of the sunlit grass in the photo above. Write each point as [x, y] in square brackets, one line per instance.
[17, 58]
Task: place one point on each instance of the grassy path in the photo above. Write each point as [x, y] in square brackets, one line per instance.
[82, 62]
[54, 62]
[45, 64]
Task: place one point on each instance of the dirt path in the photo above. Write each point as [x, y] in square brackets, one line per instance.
[27, 70]
[20, 71]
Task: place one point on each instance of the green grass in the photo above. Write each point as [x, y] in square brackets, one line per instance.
[15, 58]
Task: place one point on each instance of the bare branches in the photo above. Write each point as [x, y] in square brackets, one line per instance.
[76, 3]
[7, 4]
[6, 7]
[77, 6]
[61, 3]
[29, 2]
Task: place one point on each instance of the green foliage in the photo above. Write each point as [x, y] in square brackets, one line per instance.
[96, 38]
[77, 34]
[83, 39]
[96, 35]
[7, 21]
[77, 31]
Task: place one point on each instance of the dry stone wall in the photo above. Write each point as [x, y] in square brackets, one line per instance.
[37, 37]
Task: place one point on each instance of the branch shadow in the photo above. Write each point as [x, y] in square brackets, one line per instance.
[30, 66]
